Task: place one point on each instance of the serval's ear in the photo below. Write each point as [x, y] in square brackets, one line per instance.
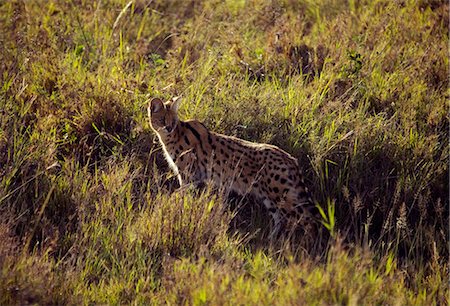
[156, 104]
[175, 103]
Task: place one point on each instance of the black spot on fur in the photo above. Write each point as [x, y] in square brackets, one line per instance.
[186, 140]
[302, 195]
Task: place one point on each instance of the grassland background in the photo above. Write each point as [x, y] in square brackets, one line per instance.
[356, 90]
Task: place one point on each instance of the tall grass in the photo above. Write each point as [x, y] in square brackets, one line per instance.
[356, 90]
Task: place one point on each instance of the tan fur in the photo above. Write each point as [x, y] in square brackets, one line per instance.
[263, 171]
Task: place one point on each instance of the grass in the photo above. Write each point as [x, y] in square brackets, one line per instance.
[356, 90]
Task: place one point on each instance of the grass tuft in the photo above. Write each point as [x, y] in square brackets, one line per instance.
[356, 90]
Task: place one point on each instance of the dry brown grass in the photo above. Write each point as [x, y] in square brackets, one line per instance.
[357, 90]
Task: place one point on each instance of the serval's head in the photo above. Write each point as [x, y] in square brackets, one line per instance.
[163, 115]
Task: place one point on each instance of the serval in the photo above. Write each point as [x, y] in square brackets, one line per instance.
[267, 173]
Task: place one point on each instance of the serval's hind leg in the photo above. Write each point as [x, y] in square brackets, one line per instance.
[276, 217]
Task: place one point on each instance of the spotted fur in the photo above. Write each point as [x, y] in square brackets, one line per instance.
[264, 171]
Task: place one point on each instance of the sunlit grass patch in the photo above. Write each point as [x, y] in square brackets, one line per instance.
[356, 90]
